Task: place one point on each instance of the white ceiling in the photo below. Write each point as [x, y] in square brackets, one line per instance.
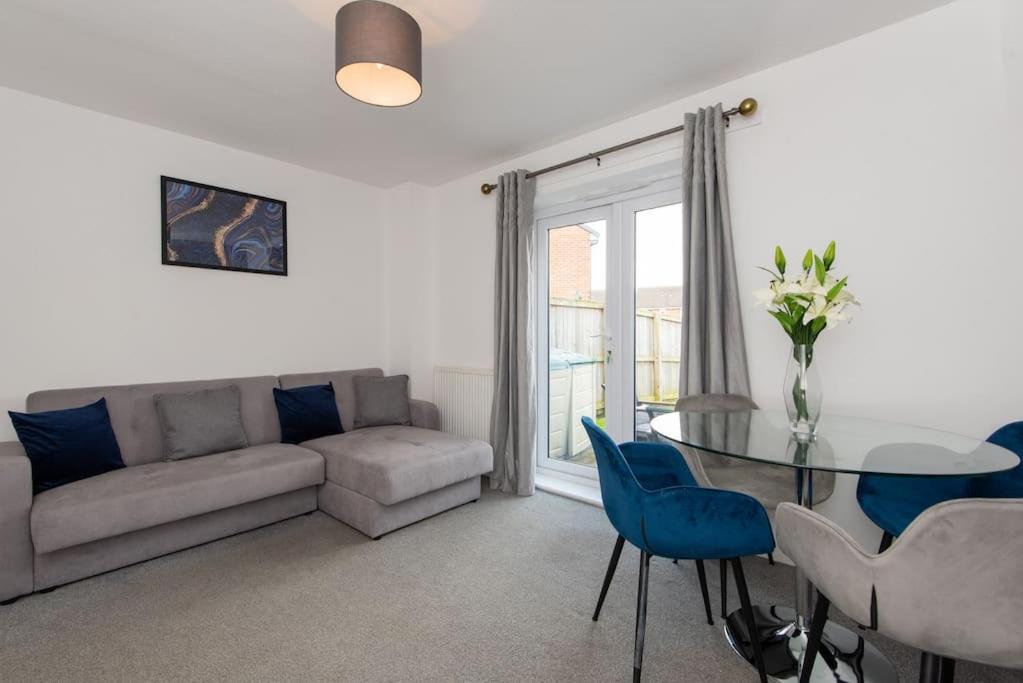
[501, 77]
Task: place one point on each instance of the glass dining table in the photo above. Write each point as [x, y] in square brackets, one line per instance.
[843, 445]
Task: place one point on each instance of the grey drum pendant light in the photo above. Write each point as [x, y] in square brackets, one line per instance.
[378, 53]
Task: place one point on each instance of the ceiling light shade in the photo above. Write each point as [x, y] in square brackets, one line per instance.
[378, 53]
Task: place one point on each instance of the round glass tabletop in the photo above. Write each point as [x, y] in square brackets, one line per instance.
[843, 444]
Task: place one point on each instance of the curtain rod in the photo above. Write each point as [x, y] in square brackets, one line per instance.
[746, 108]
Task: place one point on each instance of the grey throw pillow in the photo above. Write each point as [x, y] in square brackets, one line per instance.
[201, 422]
[381, 401]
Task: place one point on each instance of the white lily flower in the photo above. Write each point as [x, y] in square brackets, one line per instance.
[814, 287]
[804, 292]
[816, 309]
[805, 286]
[765, 297]
[847, 297]
[834, 312]
[836, 315]
[790, 287]
[775, 293]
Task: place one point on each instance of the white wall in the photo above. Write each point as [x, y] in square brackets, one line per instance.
[898, 144]
[1012, 53]
[408, 275]
[895, 144]
[86, 300]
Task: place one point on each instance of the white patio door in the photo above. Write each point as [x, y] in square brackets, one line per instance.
[608, 328]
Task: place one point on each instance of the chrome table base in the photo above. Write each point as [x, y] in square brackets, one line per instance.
[845, 657]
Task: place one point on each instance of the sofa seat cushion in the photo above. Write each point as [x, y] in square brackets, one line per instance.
[395, 463]
[144, 496]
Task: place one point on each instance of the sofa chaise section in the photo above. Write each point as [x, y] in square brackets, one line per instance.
[392, 464]
[379, 479]
[375, 519]
[382, 478]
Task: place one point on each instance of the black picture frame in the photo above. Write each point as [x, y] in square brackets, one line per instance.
[165, 229]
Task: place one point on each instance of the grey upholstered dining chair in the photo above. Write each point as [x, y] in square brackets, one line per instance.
[769, 484]
[949, 586]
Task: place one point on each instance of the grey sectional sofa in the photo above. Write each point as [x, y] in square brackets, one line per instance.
[375, 479]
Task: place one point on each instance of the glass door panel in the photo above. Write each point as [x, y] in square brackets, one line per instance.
[609, 328]
[578, 343]
[658, 312]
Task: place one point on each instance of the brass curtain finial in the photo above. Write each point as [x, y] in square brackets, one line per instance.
[748, 106]
[487, 188]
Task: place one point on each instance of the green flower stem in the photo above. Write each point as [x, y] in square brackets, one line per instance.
[798, 386]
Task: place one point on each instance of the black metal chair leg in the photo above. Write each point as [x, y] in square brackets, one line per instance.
[813, 639]
[747, 612]
[724, 588]
[611, 566]
[947, 670]
[886, 542]
[930, 668]
[644, 580]
[770, 559]
[703, 589]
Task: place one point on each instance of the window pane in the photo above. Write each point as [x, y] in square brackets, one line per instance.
[577, 282]
[658, 313]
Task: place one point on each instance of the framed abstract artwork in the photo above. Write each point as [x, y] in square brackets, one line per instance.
[212, 227]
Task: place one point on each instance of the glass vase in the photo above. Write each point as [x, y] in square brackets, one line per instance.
[802, 392]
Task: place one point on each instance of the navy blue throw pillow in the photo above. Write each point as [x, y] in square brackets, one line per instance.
[307, 413]
[68, 445]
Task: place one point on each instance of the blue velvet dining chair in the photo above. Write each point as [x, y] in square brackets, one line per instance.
[655, 466]
[892, 503]
[677, 520]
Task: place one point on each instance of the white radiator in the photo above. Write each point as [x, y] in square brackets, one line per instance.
[463, 396]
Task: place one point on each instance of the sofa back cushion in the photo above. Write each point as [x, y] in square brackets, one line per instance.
[67, 445]
[198, 423]
[135, 421]
[382, 401]
[344, 388]
[307, 413]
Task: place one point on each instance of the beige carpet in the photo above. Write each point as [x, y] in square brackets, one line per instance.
[501, 590]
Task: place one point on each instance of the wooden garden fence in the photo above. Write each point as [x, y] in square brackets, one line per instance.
[578, 327]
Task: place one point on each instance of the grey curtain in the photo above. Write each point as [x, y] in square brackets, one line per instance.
[713, 346]
[513, 412]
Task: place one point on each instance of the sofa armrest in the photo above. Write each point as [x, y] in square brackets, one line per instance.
[16, 553]
[424, 414]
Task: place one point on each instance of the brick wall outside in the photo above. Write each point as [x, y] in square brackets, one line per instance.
[569, 254]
